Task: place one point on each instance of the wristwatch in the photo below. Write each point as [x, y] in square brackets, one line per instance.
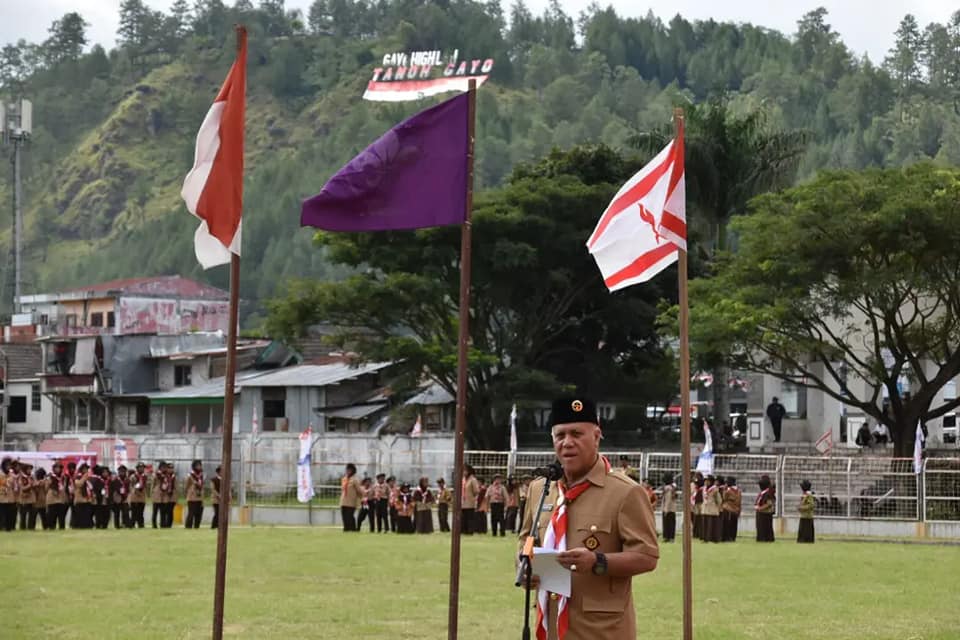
[600, 568]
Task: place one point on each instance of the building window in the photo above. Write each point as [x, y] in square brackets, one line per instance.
[71, 320]
[96, 319]
[794, 400]
[35, 397]
[44, 319]
[17, 411]
[83, 416]
[111, 319]
[274, 408]
[182, 374]
[139, 414]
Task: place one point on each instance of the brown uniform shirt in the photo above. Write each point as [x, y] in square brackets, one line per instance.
[381, 491]
[445, 496]
[194, 488]
[619, 511]
[26, 493]
[7, 492]
[215, 489]
[513, 498]
[81, 490]
[471, 491]
[711, 501]
[669, 499]
[732, 500]
[496, 494]
[138, 488]
[351, 493]
[55, 493]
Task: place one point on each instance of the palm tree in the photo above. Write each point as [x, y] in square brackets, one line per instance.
[729, 159]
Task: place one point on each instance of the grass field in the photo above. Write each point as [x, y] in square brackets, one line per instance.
[322, 583]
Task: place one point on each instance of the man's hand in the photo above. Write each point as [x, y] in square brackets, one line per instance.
[581, 558]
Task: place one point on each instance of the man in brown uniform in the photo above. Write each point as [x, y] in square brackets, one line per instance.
[470, 494]
[610, 532]
[8, 494]
[350, 495]
[444, 500]
[26, 497]
[138, 496]
[56, 494]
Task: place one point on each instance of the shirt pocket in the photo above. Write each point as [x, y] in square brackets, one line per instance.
[594, 526]
[603, 594]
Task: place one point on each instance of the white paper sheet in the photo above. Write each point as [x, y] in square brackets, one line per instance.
[553, 576]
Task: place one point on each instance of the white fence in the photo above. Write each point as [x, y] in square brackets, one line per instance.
[851, 488]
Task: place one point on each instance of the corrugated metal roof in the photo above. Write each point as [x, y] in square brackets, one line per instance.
[356, 412]
[434, 394]
[25, 359]
[177, 286]
[314, 375]
[213, 388]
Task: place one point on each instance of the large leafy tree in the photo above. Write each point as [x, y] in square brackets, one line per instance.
[541, 317]
[729, 158]
[846, 284]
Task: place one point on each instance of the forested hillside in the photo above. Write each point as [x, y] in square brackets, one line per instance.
[114, 130]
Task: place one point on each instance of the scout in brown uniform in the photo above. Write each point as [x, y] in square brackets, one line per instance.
[405, 509]
[82, 499]
[808, 504]
[497, 499]
[513, 505]
[100, 481]
[169, 487]
[469, 494]
[8, 497]
[138, 495]
[56, 496]
[157, 495]
[711, 510]
[350, 495]
[668, 509]
[215, 483]
[696, 502]
[381, 495]
[423, 511]
[610, 533]
[483, 507]
[194, 495]
[367, 506]
[444, 500]
[730, 511]
[119, 498]
[40, 497]
[393, 491]
[764, 507]
[26, 497]
[68, 477]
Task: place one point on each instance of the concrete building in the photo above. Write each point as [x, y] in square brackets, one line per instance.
[28, 411]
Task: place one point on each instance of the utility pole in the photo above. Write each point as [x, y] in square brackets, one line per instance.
[16, 127]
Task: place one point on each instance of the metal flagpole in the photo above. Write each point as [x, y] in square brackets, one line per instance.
[685, 421]
[227, 434]
[462, 352]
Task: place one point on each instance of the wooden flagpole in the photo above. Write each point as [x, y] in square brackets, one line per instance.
[223, 510]
[685, 422]
[462, 354]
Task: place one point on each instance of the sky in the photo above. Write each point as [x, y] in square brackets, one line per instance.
[866, 27]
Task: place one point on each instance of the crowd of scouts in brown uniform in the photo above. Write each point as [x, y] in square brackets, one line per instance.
[389, 506]
[716, 503]
[92, 495]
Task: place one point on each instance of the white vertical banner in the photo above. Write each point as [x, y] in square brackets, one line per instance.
[304, 476]
[705, 461]
[512, 458]
[918, 449]
[119, 453]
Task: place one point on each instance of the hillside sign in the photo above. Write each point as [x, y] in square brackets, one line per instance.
[419, 74]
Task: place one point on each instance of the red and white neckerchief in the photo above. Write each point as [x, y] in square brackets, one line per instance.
[761, 497]
[695, 493]
[24, 481]
[556, 538]
[141, 480]
[124, 486]
[197, 480]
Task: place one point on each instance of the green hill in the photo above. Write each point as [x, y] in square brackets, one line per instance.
[114, 131]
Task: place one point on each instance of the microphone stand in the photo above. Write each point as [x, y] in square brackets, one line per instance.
[526, 558]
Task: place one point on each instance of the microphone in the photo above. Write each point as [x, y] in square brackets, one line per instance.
[552, 471]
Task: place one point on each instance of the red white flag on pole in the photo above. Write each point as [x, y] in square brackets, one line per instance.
[213, 190]
[639, 233]
[825, 443]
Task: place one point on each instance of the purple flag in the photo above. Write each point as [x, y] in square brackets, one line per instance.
[414, 176]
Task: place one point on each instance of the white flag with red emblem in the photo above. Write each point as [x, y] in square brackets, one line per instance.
[213, 190]
[639, 233]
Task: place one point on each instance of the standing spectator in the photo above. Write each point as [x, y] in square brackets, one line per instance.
[776, 413]
[444, 500]
[497, 499]
[711, 510]
[513, 505]
[423, 512]
[864, 439]
[350, 496]
[469, 493]
[764, 507]
[669, 508]
[100, 482]
[730, 514]
[120, 486]
[808, 504]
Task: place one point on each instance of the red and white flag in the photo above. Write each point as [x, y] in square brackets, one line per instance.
[417, 430]
[639, 233]
[213, 190]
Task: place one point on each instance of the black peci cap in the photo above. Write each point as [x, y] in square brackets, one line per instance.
[567, 409]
